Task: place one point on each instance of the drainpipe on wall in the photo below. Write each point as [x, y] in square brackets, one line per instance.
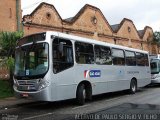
[17, 15]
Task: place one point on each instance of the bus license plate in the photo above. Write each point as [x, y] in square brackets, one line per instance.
[24, 95]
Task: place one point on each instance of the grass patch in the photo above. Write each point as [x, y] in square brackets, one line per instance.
[5, 89]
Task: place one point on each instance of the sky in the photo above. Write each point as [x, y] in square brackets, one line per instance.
[141, 12]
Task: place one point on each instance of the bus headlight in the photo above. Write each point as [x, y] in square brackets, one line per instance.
[154, 76]
[43, 84]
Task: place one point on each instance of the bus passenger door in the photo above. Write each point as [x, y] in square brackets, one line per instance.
[63, 67]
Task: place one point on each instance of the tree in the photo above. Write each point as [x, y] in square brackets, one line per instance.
[8, 42]
[156, 38]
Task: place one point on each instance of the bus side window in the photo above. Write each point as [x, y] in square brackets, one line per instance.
[62, 55]
[130, 58]
[118, 56]
[146, 60]
[140, 59]
[102, 55]
[84, 53]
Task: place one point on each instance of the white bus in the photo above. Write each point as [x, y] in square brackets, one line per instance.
[155, 70]
[54, 66]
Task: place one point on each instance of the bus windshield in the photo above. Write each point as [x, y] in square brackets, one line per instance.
[155, 66]
[31, 61]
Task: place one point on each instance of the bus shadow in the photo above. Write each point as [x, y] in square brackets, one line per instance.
[111, 95]
[153, 85]
[72, 102]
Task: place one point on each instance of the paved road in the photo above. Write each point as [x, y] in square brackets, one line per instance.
[121, 105]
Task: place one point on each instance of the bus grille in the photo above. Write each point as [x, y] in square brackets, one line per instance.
[27, 85]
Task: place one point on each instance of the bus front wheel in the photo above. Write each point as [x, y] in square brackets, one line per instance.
[133, 86]
[81, 94]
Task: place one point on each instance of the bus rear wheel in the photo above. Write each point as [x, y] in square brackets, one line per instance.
[133, 86]
[81, 94]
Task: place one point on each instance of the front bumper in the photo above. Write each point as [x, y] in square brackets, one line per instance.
[155, 80]
[41, 95]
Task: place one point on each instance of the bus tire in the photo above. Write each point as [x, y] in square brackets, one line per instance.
[89, 94]
[81, 94]
[133, 86]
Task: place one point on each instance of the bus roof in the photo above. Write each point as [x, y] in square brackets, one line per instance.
[93, 41]
[154, 56]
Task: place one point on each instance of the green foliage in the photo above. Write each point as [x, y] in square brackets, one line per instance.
[10, 63]
[7, 63]
[156, 37]
[8, 42]
[5, 89]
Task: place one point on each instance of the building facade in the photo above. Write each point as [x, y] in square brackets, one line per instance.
[10, 15]
[90, 22]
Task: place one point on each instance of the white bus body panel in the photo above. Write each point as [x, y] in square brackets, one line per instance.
[112, 79]
[63, 85]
